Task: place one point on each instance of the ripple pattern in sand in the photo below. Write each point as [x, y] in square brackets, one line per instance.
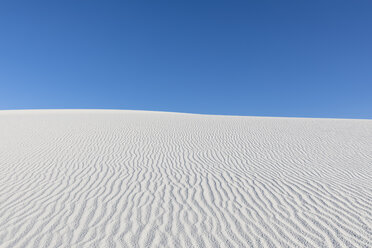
[105, 178]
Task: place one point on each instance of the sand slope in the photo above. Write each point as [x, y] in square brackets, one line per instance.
[107, 178]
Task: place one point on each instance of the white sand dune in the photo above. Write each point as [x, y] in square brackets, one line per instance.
[112, 178]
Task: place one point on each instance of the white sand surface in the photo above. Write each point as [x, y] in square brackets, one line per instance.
[113, 178]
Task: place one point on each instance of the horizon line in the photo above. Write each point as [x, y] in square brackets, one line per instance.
[189, 113]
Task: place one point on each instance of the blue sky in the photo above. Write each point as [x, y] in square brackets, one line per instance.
[262, 58]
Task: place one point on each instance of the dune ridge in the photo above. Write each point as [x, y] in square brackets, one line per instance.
[115, 178]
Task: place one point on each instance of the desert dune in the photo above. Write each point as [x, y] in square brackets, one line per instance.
[117, 178]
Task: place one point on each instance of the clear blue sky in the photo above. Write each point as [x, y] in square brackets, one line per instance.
[270, 58]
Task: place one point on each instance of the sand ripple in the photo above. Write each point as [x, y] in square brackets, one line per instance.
[106, 178]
